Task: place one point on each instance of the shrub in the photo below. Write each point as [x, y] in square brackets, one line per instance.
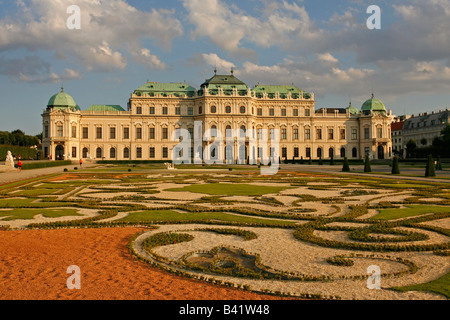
[395, 166]
[367, 167]
[340, 261]
[429, 171]
[346, 166]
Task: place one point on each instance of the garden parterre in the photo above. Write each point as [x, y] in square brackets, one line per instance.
[313, 236]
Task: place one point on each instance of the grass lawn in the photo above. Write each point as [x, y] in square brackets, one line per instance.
[231, 189]
[28, 203]
[16, 214]
[32, 193]
[173, 216]
[410, 211]
[440, 286]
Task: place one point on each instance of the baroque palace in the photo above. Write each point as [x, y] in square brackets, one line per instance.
[157, 111]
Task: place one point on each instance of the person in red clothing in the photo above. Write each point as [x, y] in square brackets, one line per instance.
[81, 163]
[19, 165]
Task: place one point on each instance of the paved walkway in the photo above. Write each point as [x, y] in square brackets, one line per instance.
[417, 174]
[14, 176]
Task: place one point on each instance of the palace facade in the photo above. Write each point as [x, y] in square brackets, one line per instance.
[226, 119]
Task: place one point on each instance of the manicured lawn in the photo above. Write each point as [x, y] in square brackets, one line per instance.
[28, 203]
[16, 214]
[410, 211]
[231, 189]
[32, 193]
[173, 216]
[440, 286]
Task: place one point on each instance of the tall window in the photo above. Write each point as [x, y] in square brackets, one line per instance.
[243, 132]
[213, 131]
[74, 131]
[283, 112]
[271, 112]
[354, 134]
[200, 110]
[190, 111]
[177, 110]
[343, 153]
[85, 153]
[112, 133]
[319, 134]
[284, 152]
[152, 110]
[342, 134]
[330, 134]
[139, 110]
[99, 153]
[138, 153]
[379, 133]
[165, 110]
[308, 134]
[319, 152]
[126, 153]
[242, 109]
[59, 131]
[354, 153]
[98, 132]
[295, 134]
[165, 152]
[259, 112]
[295, 112]
[307, 113]
[152, 133]
[138, 133]
[296, 153]
[228, 109]
[112, 153]
[152, 153]
[283, 134]
[213, 109]
[46, 132]
[308, 152]
[165, 133]
[74, 152]
[126, 133]
[366, 133]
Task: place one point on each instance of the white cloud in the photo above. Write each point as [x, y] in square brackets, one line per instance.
[110, 31]
[214, 60]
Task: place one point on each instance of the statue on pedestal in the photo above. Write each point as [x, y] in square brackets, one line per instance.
[9, 163]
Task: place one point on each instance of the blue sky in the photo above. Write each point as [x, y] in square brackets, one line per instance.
[321, 46]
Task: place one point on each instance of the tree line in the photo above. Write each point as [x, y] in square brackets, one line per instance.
[19, 138]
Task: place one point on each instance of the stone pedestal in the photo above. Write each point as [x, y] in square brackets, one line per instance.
[9, 163]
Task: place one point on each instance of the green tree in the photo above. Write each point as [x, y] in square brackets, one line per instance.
[395, 166]
[411, 147]
[346, 166]
[367, 167]
[429, 171]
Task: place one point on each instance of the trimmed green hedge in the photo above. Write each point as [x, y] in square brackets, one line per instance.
[47, 164]
[24, 152]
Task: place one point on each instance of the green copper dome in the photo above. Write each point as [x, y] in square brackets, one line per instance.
[352, 109]
[374, 105]
[62, 100]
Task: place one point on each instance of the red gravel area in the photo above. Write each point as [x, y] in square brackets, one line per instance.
[33, 266]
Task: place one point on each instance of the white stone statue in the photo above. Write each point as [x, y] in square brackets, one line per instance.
[169, 166]
[9, 162]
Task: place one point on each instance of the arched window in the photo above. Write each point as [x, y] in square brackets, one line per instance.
[319, 152]
[126, 153]
[242, 132]
[213, 109]
[228, 131]
[242, 109]
[200, 110]
[85, 153]
[331, 153]
[354, 153]
[228, 109]
[112, 153]
[343, 153]
[99, 153]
